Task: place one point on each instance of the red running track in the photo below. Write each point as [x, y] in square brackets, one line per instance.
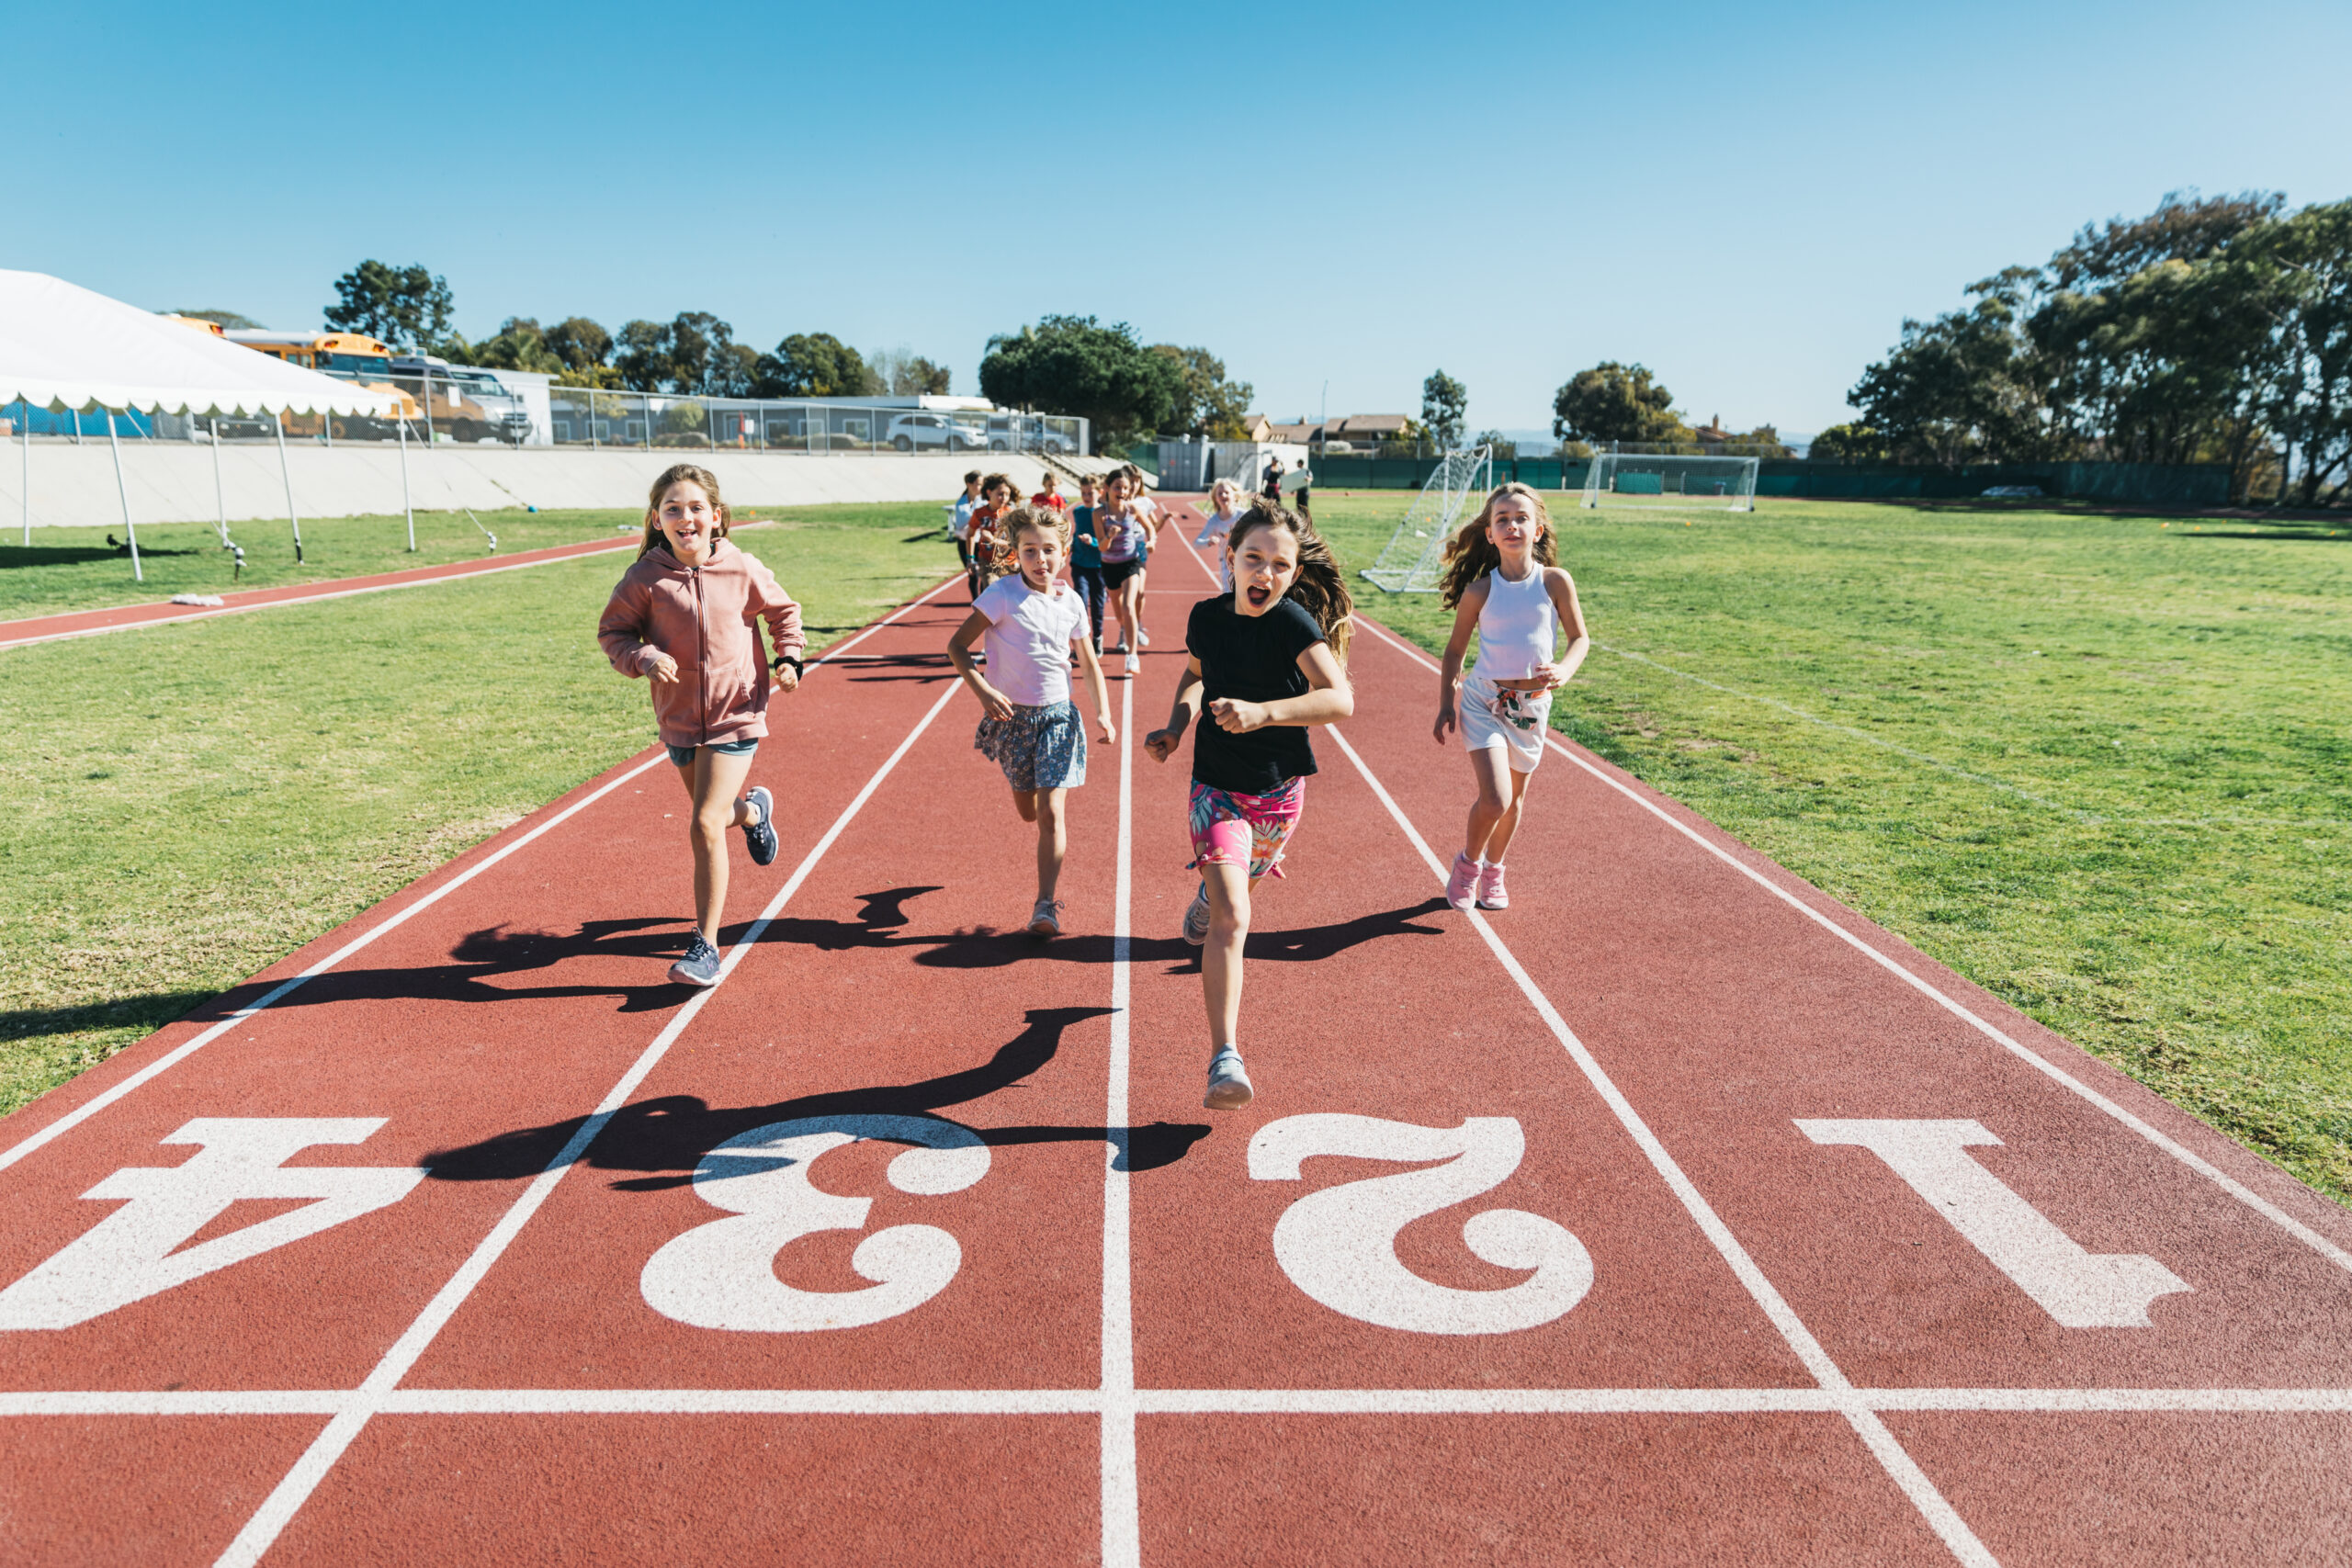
[1675, 1215]
[124, 618]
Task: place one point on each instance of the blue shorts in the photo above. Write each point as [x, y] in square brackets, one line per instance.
[685, 755]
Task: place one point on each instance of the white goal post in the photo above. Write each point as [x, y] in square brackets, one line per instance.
[1670, 479]
[1416, 552]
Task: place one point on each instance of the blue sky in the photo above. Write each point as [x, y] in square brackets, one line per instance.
[1748, 199]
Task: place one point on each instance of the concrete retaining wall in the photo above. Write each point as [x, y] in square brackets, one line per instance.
[170, 482]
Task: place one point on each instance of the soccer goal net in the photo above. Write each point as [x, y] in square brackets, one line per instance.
[1627, 479]
[1416, 550]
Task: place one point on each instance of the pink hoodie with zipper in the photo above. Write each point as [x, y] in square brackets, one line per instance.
[702, 618]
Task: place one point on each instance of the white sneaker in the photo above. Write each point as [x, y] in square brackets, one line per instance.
[1135, 663]
[1045, 920]
[1228, 1084]
[1196, 919]
[1143, 636]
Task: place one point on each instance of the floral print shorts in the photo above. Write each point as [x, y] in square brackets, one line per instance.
[1245, 830]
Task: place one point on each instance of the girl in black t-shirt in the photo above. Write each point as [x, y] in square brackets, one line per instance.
[1268, 661]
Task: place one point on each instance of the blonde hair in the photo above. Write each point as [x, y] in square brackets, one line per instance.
[1320, 587]
[1022, 520]
[1226, 485]
[681, 474]
[1470, 555]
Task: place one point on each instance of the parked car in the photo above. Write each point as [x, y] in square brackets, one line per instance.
[1032, 435]
[914, 431]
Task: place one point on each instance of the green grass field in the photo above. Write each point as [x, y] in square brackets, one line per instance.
[2098, 764]
[190, 803]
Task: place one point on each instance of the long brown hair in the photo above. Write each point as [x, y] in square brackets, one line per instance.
[1470, 555]
[1320, 587]
[681, 473]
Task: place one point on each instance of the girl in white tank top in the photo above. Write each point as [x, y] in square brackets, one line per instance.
[1501, 583]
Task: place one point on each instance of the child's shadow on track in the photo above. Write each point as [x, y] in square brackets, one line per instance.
[879, 922]
[990, 949]
[666, 1139]
[481, 958]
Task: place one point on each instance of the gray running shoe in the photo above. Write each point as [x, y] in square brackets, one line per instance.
[1045, 920]
[1228, 1084]
[761, 835]
[699, 966]
[1196, 918]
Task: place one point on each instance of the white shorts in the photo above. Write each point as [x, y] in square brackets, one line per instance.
[1515, 721]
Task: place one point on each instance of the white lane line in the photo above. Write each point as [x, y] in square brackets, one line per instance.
[2310, 1237]
[292, 1491]
[182, 1052]
[1942, 1516]
[313, 598]
[1122, 1506]
[1185, 1402]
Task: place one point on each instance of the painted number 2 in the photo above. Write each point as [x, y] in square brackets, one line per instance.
[722, 1275]
[1339, 1245]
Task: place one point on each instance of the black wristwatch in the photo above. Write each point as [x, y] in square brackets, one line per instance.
[784, 658]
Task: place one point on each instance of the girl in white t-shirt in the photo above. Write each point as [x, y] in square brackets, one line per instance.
[1034, 623]
[1216, 528]
[1501, 581]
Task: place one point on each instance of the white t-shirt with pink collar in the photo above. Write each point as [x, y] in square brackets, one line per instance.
[1028, 639]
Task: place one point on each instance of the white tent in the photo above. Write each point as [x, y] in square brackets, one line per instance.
[62, 346]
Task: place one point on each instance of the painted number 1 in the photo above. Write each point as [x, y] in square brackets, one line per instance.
[1339, 1245]
[2079, 1288]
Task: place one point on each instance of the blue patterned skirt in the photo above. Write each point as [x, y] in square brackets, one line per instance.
[1037, 748]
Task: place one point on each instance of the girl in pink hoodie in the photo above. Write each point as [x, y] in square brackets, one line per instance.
[683, 615]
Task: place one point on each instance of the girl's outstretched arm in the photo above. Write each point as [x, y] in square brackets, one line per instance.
[1562, 587]
[1457, 646]
[1162, 743]
[1329, 699]
[959, 653]
[1092, 668]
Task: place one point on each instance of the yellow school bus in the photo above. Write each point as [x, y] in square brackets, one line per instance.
[348, 356]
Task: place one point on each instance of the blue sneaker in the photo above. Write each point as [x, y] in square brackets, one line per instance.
[761, 835]
[699, 966]
[1228, 1084]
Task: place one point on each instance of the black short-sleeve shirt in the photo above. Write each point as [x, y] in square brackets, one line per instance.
[1254, 659]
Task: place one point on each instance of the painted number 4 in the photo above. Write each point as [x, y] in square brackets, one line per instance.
[1339, 1245]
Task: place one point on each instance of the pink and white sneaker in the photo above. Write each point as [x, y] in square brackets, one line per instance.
[1460, 888]
[1491, 893]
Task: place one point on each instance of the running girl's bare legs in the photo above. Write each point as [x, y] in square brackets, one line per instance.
[1130, 608]
[1048, 808]
[1229, 888]
[1494, 815]
[715, 784]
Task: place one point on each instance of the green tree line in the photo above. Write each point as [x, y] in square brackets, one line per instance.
[694, 353]
[2214, 330]
[1063, 365]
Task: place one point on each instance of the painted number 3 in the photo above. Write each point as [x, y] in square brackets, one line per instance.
[722, 1275]
[1339, 1245]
